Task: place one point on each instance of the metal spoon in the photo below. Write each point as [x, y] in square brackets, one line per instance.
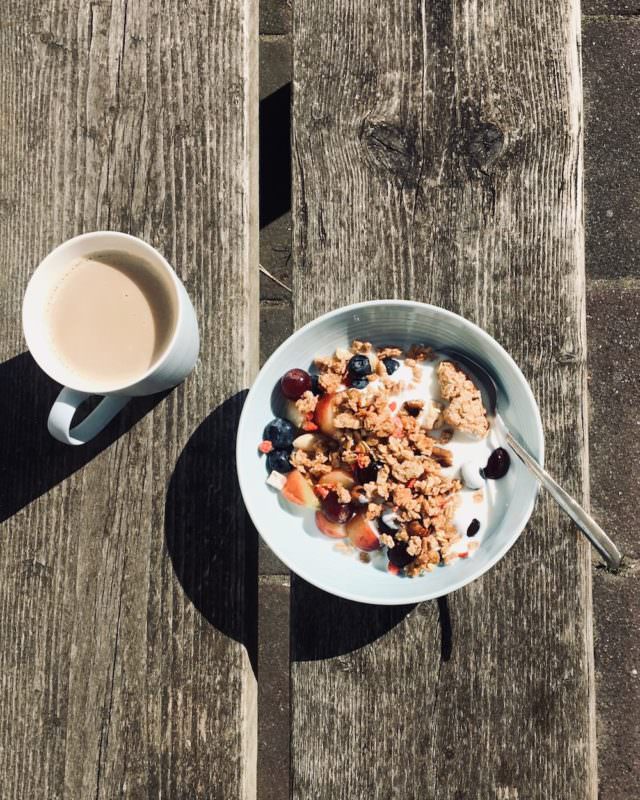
[584, 521]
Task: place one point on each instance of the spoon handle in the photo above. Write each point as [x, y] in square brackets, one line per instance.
[586, 523]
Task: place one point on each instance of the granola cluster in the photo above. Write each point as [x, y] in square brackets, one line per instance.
[465, 411]
[398, 446]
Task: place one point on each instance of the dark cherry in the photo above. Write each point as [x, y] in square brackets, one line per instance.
[398, 555]
[367, 474]
[295, 383]
[474, 527]
[497, 465]
[335, 510]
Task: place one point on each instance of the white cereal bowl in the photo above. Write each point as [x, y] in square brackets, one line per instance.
[290, 531]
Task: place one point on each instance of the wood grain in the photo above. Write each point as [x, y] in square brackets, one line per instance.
[127, 568]
[437, 154]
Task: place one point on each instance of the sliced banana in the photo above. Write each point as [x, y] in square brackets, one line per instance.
[306, 442]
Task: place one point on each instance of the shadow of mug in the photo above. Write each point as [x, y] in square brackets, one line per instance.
[31, 460]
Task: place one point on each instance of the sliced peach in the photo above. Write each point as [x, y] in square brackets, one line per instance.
[299, 490]
[338, 477]
[293, 414]
[333, 529]
[362, 533]
[324, 414]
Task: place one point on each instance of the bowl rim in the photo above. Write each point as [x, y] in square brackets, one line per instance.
[418, 596]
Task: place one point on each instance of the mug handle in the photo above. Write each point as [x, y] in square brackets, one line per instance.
[65, 407]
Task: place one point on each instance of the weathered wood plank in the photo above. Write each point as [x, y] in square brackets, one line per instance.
[128, 573]
[438, 156]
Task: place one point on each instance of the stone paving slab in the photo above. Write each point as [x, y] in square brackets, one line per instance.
[613, 327]
[275, 255]
[275, 16]
[275, 64]
[617, 658]
[611, 7]
[611, 68]
[276, 314]
[273, 688]
[275, 164]
[276, 323]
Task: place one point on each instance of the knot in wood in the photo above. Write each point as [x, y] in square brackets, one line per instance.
[392, 147]
[484, 144]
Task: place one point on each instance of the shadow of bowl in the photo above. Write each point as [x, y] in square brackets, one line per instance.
[211, 542]
[325, 626]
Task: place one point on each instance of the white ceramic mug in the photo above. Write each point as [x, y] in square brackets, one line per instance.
[170, 368]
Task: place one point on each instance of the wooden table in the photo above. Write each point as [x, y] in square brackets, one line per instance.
[437, 155]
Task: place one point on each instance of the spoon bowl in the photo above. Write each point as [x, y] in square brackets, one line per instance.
[488, 386]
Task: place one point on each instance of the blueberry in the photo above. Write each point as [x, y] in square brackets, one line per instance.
[367, 474]
[315, 385]
[359, 366]
[278, 460]
[281, 433]
[391, 365]
[474, 527]
[359, 383]
[398, 555]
